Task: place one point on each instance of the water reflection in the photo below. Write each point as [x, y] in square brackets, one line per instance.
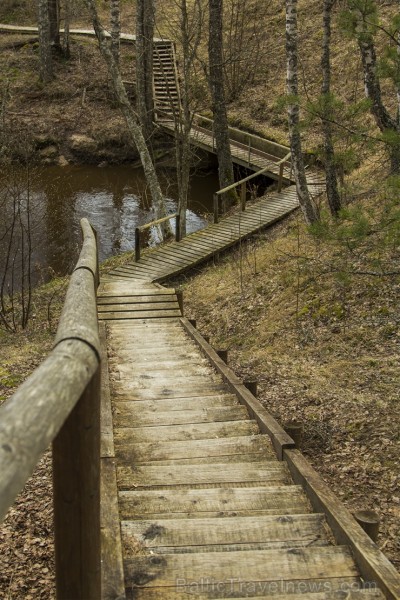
[114, 199]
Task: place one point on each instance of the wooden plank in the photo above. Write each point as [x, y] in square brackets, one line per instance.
[134, 306]
[106, 421]
[112, 570]
[131, 453]
[171, 392]
[373, 564]
[232, 458]
[179, 404]
[191, 534]
[164, 363]
[185, 432]
[162, 254]
[212, 502]
[305, 564]
[170, 380]
[151, 476]
[121, 288]
[139, 418]
[140, 314]
[346, 587]
[153, 299]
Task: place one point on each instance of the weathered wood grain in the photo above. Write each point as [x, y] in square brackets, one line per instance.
[303, 530]
[197, 431]
[212, 502]
[300, 564]
[176, 417]
[267, 472]
[190, 403]
[207, 449]
[346, 588]
[106, 421]
[139, 314]
[112, 572]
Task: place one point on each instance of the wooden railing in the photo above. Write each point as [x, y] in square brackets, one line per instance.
[141, 228]
[249, 141]
[60, 404]
[243, 187]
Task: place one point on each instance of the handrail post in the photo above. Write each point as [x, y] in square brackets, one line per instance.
[280, 180]
[215, 199]
[249, 157]
[178, 234]
[137, 244]
[243, 196]
[76, 477]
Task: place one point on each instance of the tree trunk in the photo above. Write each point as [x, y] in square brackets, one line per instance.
[373, 90]
[115, 19]
[54, 19]
[189, 39]
[144, 64]
[46, 64]
[131, 120]
[216, 83]
[306, 204]
[67, 21]
[330, 167]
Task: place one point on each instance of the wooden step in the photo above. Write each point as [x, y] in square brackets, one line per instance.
[180, 404]
[286, 567]
[212, 502]
[176, 433]
[203, 475]
[127, 414]
[340, 589]
[224, 533]
[216, 450]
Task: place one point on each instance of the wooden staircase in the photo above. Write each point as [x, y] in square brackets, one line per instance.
[165, 81]
[205, 508]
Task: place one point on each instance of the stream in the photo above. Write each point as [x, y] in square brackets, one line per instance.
[115, 199]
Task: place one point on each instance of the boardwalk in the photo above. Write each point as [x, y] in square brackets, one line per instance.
[194, 498]
[176, 257]
[253, 159]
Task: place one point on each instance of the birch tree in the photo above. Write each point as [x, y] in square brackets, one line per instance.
[363, 21]
[216, 83]
[309, 210]
[329, 153]
[115, 21]
[131, 118]
[144, 64]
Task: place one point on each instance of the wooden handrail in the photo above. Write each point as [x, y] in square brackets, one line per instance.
[242, 183]
[141, 228]
[59, 403]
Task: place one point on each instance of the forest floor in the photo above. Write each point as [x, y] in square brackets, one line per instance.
[322, 341]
